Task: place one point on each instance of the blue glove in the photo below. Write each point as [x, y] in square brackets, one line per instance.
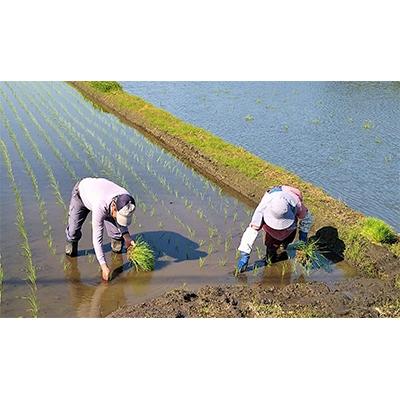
[243, 261]
[303, 236]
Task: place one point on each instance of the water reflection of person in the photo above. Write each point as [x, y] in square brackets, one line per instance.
[94, 300]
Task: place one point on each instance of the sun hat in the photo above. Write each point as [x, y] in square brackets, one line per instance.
[125, 204]
[280, 212]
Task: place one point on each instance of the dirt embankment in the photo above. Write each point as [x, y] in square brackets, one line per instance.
[359, 298]
[248, 176]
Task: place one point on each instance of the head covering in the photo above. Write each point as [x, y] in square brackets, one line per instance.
[280, 212]
[125, 204]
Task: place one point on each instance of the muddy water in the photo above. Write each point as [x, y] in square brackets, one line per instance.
[184, 217]
[342, 136]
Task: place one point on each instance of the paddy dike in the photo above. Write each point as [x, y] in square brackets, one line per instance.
[248, 176]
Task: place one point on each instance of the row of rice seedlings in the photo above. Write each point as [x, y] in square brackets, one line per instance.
[1, 279]
[163, 182]
[108, 169]
[105, 119]
[53, 182]
[30, 268]
[151, 170]
[104, 163]
[46, 137]
[60, 133]
[146, 163]
[67, 126]
[28, 168]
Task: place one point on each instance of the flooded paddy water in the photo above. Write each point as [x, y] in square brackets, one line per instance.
[341, 136]
[51, 137]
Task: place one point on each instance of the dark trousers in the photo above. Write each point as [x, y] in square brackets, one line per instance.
[273, 244]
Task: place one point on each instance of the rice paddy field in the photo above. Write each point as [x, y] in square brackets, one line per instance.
[50, 138]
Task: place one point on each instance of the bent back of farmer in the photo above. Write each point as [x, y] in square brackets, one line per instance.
[112, 207]
[279, 213]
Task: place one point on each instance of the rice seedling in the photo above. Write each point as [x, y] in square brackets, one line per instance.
[258, 101]
[388, 158]
[201, 242]
[212, 232]
[202, 261]
[222, 261]
[368, 124]
[210, 249]
[377, 231]
[378, 140]
[249, 118]
[152, 212]
[237, 255]
[200, 213]
[191, 231]
[161, 225]
[316, 121]
[285, 127]
[228, 243]
[188, 204]
[259, 253]
[235, 217]
[141, 256]
[33, 303]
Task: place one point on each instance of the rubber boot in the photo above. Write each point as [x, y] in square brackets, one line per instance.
[71, 249]
[271, 256]
[116, 245]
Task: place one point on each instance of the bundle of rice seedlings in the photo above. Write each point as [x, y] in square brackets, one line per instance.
[306, 254]
[141, 256]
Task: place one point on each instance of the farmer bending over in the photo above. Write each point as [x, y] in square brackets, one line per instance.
[277, 214]
[111, 205]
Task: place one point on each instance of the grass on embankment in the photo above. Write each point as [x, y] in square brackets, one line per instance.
[233, 166]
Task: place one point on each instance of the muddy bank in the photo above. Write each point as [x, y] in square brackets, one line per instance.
[353, 297]
[358, 298]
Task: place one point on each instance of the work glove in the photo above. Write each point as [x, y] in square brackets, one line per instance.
[243, 261]
[303, 236]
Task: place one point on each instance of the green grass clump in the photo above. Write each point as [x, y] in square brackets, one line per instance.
[377, 231]
[141, 256]
[106, 86]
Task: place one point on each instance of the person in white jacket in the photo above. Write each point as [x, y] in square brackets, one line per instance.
[111, 206]
[280, 211]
